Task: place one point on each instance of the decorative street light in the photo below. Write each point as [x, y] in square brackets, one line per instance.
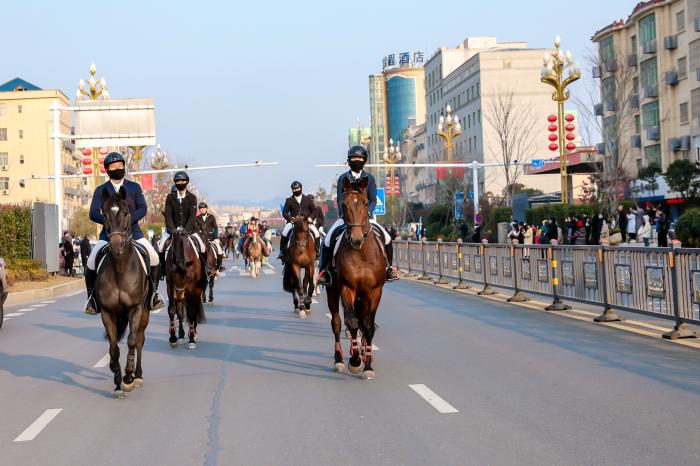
[94, 91]
[556, 63]
[392, 155]
[448, 129]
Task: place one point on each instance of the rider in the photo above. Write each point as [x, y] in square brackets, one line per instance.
[206, 227]
[115, 167]
[357, 157]
[253, 226]
[296, 204]
[318, 218]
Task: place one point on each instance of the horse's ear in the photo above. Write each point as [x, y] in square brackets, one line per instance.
[364, 183]
[105, 195]
[122, 193]
[347, 185]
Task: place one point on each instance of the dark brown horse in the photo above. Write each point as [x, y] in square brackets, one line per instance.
[186, 282]
[121, 291]
[360, 269]
[211, 265]
[301, 255]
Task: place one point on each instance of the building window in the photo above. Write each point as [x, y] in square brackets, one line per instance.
[469, 121]
[682, 68]
[4, 159]
[635, 85]
[694, 104]
[637, 125]
[634, 44]
[650, 74]
[19, 109]
[609, 92]
[478, 112]
[652, 155]
[3, 134]
[20, 133]
[680, 21]
[4, 183]
[2, 109]
[650, 114]
[647, 28]
[684, 113]
[639, 165]
[21, 159]
[607, 49]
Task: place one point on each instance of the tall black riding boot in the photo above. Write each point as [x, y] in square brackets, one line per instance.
[90, 277]
[161, 268]
[324, 276]
[156, 301]
[220, 263]
[317, 242]
[283, 247]
[390, 272]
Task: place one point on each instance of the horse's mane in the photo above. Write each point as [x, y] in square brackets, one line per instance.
[178, 248]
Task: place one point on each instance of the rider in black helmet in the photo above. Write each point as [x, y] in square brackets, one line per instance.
[296, 204]
[207, 228]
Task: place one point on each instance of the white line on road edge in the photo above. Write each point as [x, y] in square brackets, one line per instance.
[102, 362]
[26, 309]
[37, 305]
[47, 302]
[37, 426]
[14, 314]
[431, 397]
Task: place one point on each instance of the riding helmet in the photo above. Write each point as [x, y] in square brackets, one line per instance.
[113, 157]
[296, 185]
[181, 176]
[203, 205]
[357, 151]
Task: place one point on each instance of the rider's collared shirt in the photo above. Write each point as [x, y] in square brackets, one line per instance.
[116, 186]
[356, 175]
[181, 195]
[298, 198]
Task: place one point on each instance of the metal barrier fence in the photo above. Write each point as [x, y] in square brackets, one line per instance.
[659, 282]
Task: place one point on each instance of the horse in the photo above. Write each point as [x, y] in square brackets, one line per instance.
[186, 283]
[301, 254]
[121, 292]
[358, 280]
[255, 253]
[211, 265]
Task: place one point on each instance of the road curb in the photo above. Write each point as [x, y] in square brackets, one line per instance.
[21, 297]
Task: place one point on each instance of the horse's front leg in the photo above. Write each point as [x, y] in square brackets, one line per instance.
[140, 340]
[347, 297]
[180, 307]
[211, 289]
[308, 286]
[134, 323]
[367, 315]
[334, 307]
[171, 316]
[114, 366]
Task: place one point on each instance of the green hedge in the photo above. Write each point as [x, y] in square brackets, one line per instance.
[15, 233]
[688, 228]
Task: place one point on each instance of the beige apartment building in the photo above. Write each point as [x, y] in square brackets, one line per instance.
[470, 78]
[26, 147]
[649, 70]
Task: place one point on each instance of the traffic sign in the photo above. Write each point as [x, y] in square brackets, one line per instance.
[471, 195]
[538, 163]
[379, 208]
[459, 200]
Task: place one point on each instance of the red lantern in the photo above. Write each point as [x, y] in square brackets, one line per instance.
[552, 118]
[570, 136]
[104, 150]
[553, 137]
[552, 128]
[87, 170]
[102, 170]
[570, 127]
[102, 160]
[569, 118]
[87, 152]
[87, 161]
[553, 146]
[570, 146]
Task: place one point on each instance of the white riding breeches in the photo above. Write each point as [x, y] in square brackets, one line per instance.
[338, 223]
[202, 246]
[152, 254]
[289, 226]
[217, 247]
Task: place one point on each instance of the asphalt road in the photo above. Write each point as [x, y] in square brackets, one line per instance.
[460, 381]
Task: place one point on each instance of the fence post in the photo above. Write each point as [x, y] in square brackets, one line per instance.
[608, 315]
[557, 304]
[680, 330]
[487, 289]
[518, 296]
[461, 285]
[441, 280]
[410, 273]
[424, 275]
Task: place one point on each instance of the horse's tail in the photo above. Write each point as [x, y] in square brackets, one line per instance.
[290, 281]
[195, 312]
[121, 324]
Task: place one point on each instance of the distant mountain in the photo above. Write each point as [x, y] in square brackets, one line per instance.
[272, 203]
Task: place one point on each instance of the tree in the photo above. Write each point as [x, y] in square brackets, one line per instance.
[682, 177]
[519, 188]
[649, 174]
[514, 125]
[80, 223]
[321, 193]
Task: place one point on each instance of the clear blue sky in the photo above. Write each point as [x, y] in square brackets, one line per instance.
[237, 81]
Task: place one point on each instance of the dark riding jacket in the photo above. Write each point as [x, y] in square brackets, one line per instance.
[180, 214]
[292, 208]
[137, 206]
[371, 190]
[206, 228]
[319, 218]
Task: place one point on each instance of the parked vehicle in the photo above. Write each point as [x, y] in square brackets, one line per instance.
[3, 288]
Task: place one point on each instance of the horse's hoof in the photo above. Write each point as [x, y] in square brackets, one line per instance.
[347, 334]
[355, 370]
[173, 344]
[192, 346]
[119, 394]
[181, 341]
[127, 387]
[368, 375]
[302, 314]
[138, 383]
[339, 367]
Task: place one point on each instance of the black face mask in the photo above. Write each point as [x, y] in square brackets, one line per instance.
[356, 165]
[297, 193]
[116, 174]
[181, 187]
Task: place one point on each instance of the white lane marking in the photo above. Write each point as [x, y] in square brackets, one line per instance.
[243, 273]
[14, 314]
[433, 399]
[314, 301]
[47, 302]
[37, 426]
[329, 316]
[26, 309]
[268, 272]
[37, 305]
[102, 362]
[73, 294]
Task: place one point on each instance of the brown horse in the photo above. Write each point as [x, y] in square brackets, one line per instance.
[186, 282]
[121, 292]
[211, 264]
[301, 255]
[255, 253]
[360, 269]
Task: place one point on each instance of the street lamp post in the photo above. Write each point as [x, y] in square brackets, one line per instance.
[392, 155]
[556, 63]
[448, 129]
[93, 91]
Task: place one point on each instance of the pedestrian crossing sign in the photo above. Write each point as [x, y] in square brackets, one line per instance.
[379, 208]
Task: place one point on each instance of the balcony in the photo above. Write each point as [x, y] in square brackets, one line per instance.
[610, 105]
[632, 59]
[653, 133]
[598, 109]
[697, 24]
[685, 142]
[636, 140]
[600, 147]
[671, 78]
[610, 66]
[634, 101]
[649, 47]
[651, 92]
[674, 144]
[596, 72]
[670, 42]
[69, 169]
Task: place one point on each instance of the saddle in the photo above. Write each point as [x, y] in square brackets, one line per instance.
[376, 232]
[142, 254]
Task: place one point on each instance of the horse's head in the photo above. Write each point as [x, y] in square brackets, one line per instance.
[301, 224]
[356, 211]
[115, 209]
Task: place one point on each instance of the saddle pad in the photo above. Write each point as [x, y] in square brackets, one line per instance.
[144, 258]
[335, 244]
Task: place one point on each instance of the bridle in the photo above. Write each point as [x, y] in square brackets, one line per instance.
[302, 244]
[363, 225]
[126, 235]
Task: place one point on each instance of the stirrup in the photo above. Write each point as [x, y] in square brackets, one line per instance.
[156, 302]
[91, 306]
[324, 278]
[391, 275]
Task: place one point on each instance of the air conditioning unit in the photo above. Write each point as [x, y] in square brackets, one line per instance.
[674, 144]
[653, 133]
[651, 92]
[670, 42]
[5, 192]
[634, 101]
[672, 78]
[3, 168]
[685, 142]
[636, 141]
[600, 147]
[632, 59]
[649, 47]
[611, 66]
[610, 105]
[596, 72]
[598, 109]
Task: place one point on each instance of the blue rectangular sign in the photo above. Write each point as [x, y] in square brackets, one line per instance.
[379, 208]
[538, 164]
[459, 200]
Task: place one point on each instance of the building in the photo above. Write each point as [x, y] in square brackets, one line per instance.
[26, 147]
[471, 78]
[413, 150]
[649, 68]
[396, 100]
[359, 136]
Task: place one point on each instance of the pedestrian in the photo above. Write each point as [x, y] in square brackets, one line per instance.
[580, 232]
[587, 226]
[464, 231]
[393, 233]
[631, 226]
[527, 234]
[622, 222]
[553, 231]
[513, 233]
[645, 230]
[604, 231]
[85, 250]
[521, 233]
[68, 255]
[596, 227]
[661, 228]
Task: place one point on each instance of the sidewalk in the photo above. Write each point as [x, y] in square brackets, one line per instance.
[24, 292]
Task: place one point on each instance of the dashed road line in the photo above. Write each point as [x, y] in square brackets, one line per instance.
[157, 311]
[329, 315]
[47, 302]
[6, 318]
[433, 399]
[37, 426]
[268, 272]
[26, 309]
[102, 362]
[14, 314]
[37, 305]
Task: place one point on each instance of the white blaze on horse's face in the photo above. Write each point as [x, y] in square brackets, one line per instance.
[115, 209]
